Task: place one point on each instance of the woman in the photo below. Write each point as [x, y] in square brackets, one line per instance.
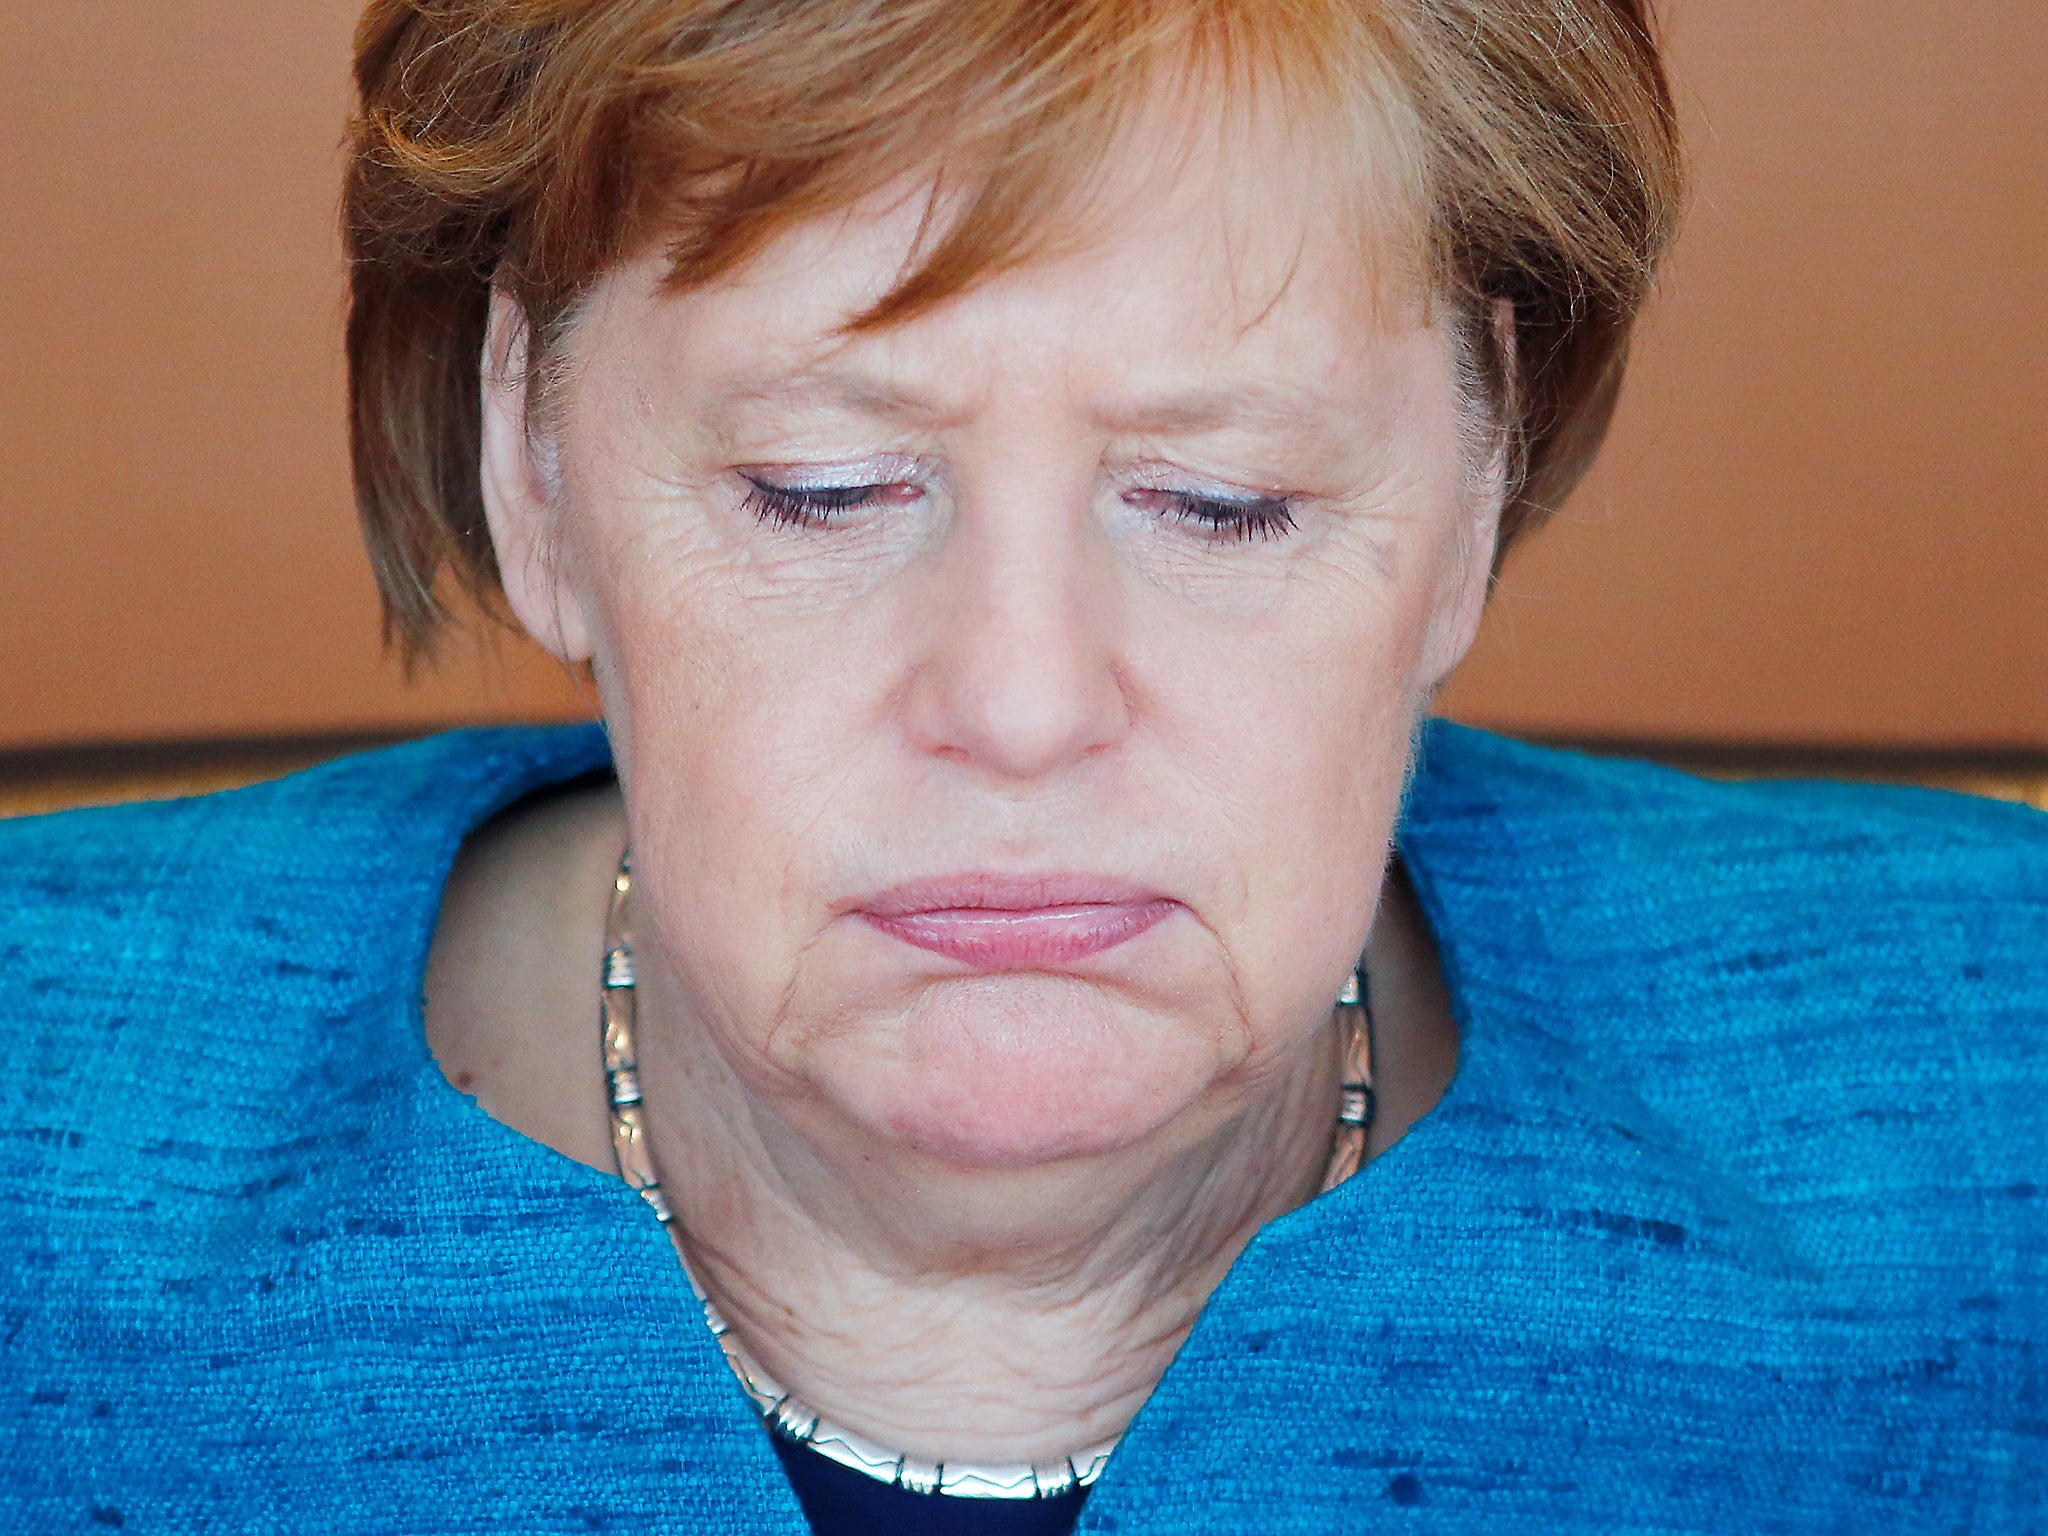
[1017, 474]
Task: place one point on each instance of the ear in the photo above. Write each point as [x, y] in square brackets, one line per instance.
[1467, 579]
[520, 491]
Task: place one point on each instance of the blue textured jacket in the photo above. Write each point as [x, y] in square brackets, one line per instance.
[1733, 1219]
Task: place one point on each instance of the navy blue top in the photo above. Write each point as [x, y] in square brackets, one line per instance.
[838, 1501]
[1733, 1218]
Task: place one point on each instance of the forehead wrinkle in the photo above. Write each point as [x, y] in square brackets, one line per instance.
[1196, 412]
[837, 388]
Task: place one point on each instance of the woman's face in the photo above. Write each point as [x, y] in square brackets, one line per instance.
[1012, 706]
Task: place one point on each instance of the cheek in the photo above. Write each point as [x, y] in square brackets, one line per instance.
[734, 731]
[1290, 745]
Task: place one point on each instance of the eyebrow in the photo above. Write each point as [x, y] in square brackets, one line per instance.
[1254, 404]
[1193, 412]
[835, 388]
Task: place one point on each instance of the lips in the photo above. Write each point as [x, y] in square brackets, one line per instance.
[1016, 922]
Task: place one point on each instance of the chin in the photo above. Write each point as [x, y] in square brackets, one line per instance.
[1014, 1072]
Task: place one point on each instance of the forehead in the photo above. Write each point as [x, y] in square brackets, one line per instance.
[1214, 263]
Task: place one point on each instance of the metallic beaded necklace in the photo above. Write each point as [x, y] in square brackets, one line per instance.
[783, 1411]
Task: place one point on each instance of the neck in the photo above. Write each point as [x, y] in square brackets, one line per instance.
[977, 1314]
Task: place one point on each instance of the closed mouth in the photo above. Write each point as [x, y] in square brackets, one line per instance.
[993, 922]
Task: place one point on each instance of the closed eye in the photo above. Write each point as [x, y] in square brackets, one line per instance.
[815, 506]
[1230, 519]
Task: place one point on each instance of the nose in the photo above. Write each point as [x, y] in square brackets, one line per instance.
[1020, 674]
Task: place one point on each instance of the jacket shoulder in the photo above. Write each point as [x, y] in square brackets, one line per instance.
[168, 970]
[1627, 846]
[1834, 992]
[264, 880]
[1463, 772]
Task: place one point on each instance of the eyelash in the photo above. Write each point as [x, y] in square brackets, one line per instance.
[802, 506]
[1237, 522]
[808, 506]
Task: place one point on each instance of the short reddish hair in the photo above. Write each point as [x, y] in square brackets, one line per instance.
[530, 145]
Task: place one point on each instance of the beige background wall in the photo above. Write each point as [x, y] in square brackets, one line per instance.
[1823, 521]
[1824, 514]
